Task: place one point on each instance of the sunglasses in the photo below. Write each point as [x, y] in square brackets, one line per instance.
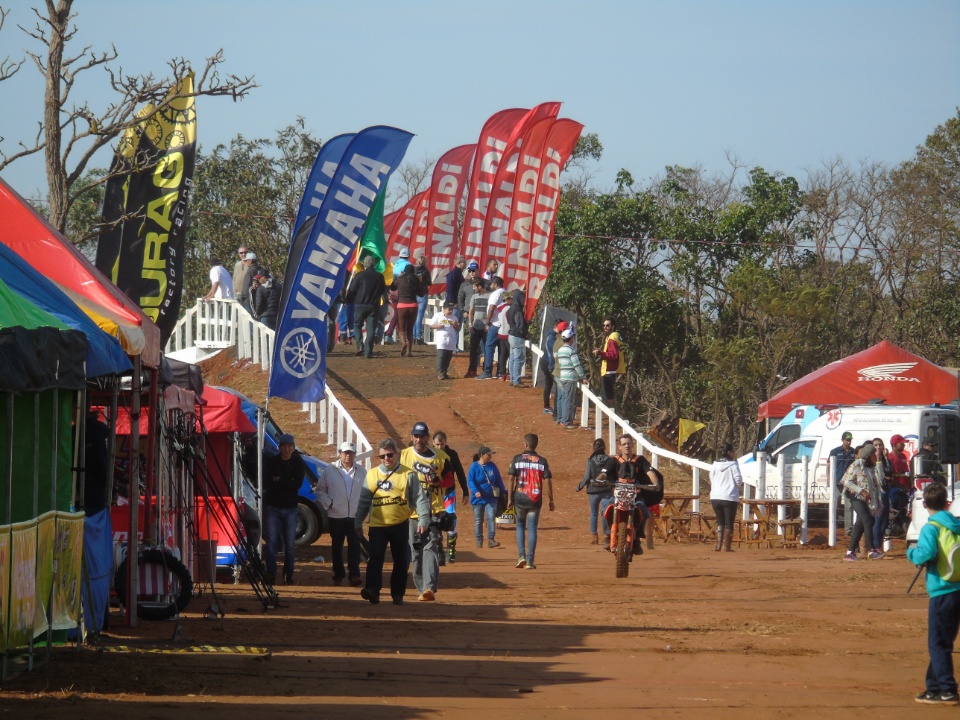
[385, 456]
[350, 452]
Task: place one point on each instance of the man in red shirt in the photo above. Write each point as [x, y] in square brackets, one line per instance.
[900, 483]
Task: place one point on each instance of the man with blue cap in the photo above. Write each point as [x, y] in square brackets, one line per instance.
[283, 475]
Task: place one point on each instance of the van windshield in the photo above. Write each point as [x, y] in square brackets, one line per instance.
[780, 437]
[794, 454]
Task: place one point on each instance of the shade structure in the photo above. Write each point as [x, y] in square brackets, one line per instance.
[105, 356]
[28, 233]
[884, 372]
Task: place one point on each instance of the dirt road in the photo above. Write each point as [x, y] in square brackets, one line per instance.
[691, 633]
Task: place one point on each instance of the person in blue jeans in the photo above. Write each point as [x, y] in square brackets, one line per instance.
[493, 328]
[283, 475]
[485, 487]
[599, 477]
[943, 612]
[529, 473]
[423, 274]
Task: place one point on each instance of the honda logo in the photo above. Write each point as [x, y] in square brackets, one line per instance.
[891, 372]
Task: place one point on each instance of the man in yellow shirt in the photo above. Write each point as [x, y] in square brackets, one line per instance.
[612, 362]
[389, 495]
[436, 479]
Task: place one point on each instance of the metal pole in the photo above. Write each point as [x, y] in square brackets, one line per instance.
[133, 541]
[805, 501]
[782, 472]
[832, 519]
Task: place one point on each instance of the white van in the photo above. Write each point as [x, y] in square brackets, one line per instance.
[811, 431]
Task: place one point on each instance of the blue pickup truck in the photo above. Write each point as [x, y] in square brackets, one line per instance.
[311, 518]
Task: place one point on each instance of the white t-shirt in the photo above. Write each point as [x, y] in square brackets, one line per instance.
[444, 333]
[218, 273]
[492, 303]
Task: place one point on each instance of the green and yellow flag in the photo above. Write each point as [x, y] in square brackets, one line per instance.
[374, 241]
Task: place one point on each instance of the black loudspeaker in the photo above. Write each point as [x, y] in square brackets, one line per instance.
[949, 439]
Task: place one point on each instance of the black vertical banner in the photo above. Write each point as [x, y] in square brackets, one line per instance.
[146, 207]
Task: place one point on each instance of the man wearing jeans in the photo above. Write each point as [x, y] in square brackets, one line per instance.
[282, 477]
[493, 327]
[528, 474]
[517, 337]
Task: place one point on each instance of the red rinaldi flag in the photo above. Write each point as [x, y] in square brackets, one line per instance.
[497, 227]
[398, 227]
[494, 238]
[511, 245]
[493, 141]
[446, 189]
[418, 243]
[561, 141]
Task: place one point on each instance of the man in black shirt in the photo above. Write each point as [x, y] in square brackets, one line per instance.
[366, 292]
[283, 475]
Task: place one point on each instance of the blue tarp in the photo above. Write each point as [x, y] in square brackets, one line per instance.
[97, 568]
[104, 354]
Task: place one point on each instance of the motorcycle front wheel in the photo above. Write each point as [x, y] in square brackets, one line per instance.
[622, 551]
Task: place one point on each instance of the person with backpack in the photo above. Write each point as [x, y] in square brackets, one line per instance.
[938, 548]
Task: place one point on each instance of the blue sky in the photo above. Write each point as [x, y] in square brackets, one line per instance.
[783, 85]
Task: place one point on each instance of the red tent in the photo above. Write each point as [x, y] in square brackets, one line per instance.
[885, 371]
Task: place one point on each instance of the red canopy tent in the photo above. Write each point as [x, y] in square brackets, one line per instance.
[885, 372]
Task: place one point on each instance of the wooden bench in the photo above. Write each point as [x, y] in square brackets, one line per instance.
[791, 532]
[749, 532]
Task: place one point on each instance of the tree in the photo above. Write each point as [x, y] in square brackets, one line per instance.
[71, 133]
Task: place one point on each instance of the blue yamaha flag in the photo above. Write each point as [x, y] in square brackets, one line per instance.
[321, 175]
[299, 367]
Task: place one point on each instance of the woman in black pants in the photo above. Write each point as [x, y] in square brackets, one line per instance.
[725, 485]
[860, 488]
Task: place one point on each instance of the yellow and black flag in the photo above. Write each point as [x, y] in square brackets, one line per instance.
[145, 206]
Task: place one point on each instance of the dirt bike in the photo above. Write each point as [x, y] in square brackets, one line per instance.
[622, 517]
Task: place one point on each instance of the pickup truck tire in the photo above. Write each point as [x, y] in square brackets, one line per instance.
[309, 525]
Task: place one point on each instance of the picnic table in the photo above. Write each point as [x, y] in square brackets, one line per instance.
[675, 516]
[761, 516]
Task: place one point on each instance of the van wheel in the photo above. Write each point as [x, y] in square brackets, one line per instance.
[308, 525]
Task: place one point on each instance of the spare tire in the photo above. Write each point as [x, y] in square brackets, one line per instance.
[159, 607]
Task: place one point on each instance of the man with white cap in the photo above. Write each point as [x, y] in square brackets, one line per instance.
[250, 262]
[569, 372]
[338, 492]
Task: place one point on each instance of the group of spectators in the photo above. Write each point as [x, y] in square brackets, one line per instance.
[251, 285]
[410, 500]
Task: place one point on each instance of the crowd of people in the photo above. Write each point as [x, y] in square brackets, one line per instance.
[251, 285]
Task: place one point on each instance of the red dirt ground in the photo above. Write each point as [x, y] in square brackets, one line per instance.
[782, 633]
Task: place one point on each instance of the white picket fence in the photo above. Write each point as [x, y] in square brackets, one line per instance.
[216, 324]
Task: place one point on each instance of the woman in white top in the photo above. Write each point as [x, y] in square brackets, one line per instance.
[725, 485]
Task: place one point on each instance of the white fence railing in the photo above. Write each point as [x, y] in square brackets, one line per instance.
[606, 423]
[217, 324]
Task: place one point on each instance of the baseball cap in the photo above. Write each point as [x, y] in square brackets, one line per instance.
[404, 252]
[847, 436]
[567, 334]
[420, 429]
[285, 439]
[449, 305]
[348, 447]
[484, 449]
[473, 265]
[562, 325]
[897, 439]
[930, 440]
[250, 255]
[261, 274]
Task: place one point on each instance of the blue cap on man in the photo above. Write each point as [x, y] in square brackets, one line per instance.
[286, 439]
[420, 429]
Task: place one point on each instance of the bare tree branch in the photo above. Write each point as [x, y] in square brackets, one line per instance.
[71, 134]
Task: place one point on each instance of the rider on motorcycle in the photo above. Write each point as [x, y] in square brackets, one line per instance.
[637, 469]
